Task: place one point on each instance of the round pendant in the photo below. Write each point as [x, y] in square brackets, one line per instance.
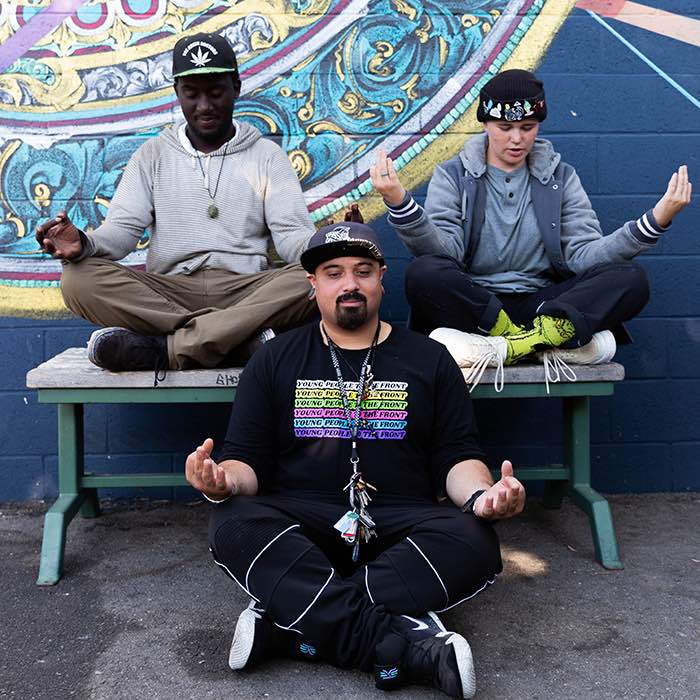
[213, 211]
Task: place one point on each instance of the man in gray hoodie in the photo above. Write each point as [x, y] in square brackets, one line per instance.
[213, 194]
[511, 257]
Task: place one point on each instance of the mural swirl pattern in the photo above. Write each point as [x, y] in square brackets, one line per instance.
[86, 82]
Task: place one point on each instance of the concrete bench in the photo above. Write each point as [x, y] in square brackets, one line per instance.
[70, 381]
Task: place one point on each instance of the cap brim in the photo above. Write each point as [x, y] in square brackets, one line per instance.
[313, 257]
[204, 71]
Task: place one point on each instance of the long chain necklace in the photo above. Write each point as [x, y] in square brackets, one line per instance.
[212, 209]
[356, 525]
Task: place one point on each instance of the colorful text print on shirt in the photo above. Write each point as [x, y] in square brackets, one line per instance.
[83, 82]
[319, 412]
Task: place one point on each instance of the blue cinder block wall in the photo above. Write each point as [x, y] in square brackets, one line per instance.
[625, 129]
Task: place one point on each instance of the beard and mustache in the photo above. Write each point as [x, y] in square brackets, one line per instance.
[353, 317]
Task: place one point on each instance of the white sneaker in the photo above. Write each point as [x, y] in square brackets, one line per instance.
[556, 361]
[476, 352]
[601, 349]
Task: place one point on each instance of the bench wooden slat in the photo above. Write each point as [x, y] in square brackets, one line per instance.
[534, 373]
[72, 370]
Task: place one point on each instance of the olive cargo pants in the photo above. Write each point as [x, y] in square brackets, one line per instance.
[205, 315]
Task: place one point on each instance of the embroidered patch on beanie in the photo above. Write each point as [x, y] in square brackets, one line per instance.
[512, 96]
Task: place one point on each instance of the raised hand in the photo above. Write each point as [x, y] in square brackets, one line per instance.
[385, 179]
[677, 196]
[504, 499]
[353, 213]
[207, 476]
[59, 237]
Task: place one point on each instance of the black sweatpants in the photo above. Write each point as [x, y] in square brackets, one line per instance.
[284, 552]
[441, 295]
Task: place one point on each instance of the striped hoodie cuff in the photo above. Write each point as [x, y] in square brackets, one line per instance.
[405, 213]
[648, 230]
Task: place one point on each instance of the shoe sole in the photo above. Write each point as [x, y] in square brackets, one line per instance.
[94, 339]
[243, 638]
[465, 664]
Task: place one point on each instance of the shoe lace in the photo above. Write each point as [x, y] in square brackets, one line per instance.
[477, 369]
[555, 369]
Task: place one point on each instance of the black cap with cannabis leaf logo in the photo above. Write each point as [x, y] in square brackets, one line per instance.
[203, 53]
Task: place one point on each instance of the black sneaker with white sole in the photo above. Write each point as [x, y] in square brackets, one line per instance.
[420, 655]
[122, 350]
[258, 639]
[444, 662]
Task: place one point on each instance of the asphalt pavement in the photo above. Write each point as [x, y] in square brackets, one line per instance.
[142, 611]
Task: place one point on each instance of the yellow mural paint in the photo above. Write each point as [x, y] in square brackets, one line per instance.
[39, 302]
[527, 55]
[44, 302]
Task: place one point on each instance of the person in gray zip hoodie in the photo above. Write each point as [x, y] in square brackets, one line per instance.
[213, 194]
[510, 251]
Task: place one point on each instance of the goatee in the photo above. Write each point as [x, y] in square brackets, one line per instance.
[353, 317]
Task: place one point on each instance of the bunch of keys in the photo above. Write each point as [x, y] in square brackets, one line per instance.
[359, 498]
[357, 525]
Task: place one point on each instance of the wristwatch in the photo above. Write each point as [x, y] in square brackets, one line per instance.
[468, 507]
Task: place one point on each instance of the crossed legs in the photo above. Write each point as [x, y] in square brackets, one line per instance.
[441, 294]
[204, 315]
[284, 553]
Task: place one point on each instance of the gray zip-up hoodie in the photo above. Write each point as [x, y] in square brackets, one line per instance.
[163, 189]
[571, 233]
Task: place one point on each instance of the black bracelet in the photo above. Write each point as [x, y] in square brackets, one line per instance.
[468, 507]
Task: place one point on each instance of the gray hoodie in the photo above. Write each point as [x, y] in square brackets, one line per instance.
[574, 241]
[163, 189]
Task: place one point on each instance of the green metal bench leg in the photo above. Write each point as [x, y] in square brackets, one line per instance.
[54, 542]
[598, 511]
[578, 453]
[70, 496]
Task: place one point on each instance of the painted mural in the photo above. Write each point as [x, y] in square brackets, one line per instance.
[84, 82]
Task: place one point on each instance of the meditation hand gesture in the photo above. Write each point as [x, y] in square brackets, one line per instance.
[677, 196]
[504, 499]
[386, 181]
[59, 237]
[207, 476]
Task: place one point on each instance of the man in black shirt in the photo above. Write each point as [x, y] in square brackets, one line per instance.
[341, 438]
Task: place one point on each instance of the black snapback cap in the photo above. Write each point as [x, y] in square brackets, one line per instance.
[339, 240]
[202, 53]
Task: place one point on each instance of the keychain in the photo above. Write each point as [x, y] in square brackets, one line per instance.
[356, 525]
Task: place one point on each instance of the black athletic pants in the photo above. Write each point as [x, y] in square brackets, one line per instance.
[284, 552]
[441, 295]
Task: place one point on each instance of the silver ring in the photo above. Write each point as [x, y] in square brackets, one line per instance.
[385, 173]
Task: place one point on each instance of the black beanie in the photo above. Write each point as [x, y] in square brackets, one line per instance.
[512, 96]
